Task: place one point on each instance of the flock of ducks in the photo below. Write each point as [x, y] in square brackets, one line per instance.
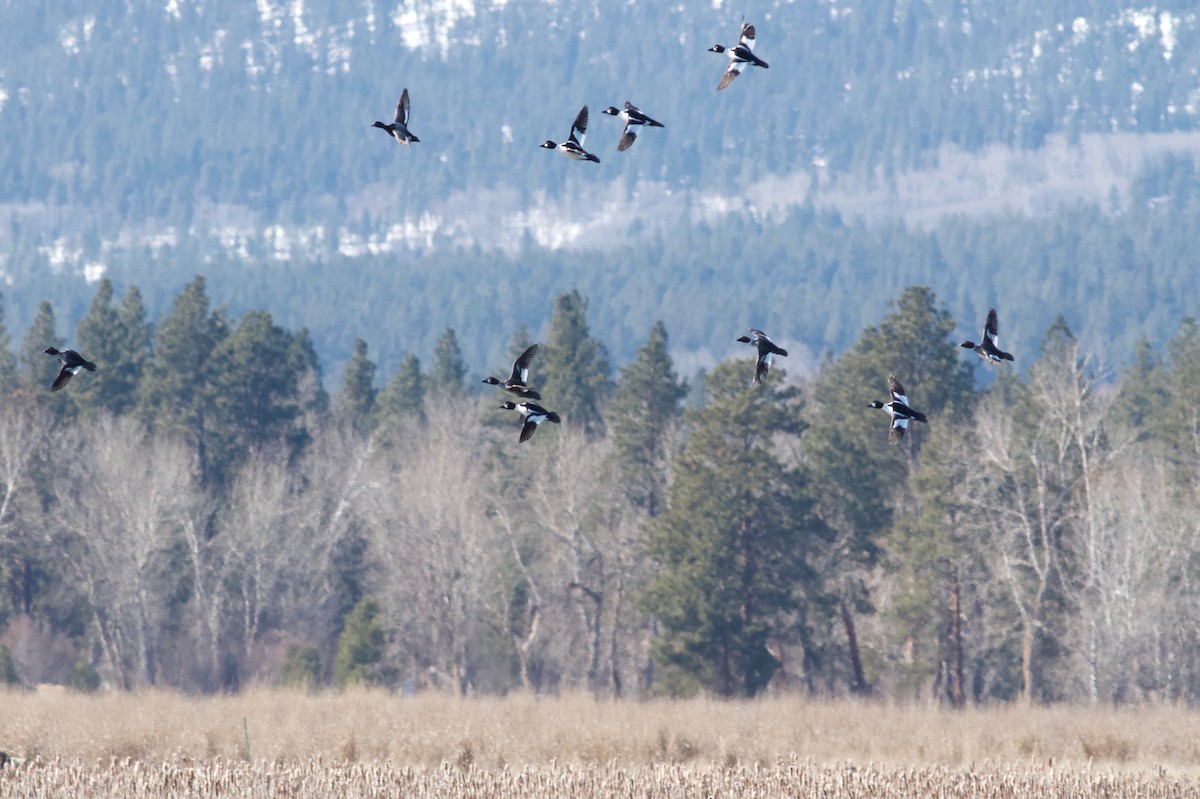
[900, 413]
[740, 56]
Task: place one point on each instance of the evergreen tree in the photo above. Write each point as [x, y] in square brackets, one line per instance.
[105, 336]
[861, 479]
[8, 361]
[574, 366]
[1177, 427]
[255, 396]
[8, 671]
[449, 369]
[358, 388]
[1144, 393]
[176, 394]
[735, 542]
[644, 413]
[404, 395]
[360, 647]
[36, 369]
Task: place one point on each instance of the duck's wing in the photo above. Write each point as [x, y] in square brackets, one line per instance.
[897, 391]
[402, 109]
[580, 124]
[731, 72]
[527, 430]
[761, 367]
[899, 425]
[64, 375]
[747, 39]
[991, 328]
[628, 137]
[520, 370]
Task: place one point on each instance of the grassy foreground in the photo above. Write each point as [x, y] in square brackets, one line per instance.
[372, 743]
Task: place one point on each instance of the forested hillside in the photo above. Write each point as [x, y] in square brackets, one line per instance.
[201, 513]
[151, 141]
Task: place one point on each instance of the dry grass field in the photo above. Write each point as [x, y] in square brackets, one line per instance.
[372, 743]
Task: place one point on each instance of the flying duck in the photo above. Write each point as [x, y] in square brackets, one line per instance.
[72, 363]
[398, 130]
[632, 116]
[898, 409]
[988, 347]
[573, 147]
[534, 415]
[767, 350]
[739, 56]
[517, 381]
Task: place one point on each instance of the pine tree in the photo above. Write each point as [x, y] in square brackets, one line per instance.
[36, 370]
[255, 396]
[404, 395]
[1143, 394]
[861, 479]
[644, 413]
[358, 388]
[449, 369]
[105, 335]
[176, 393]
[8, 362]
[734, 544]
[574, 366]
[360, 647]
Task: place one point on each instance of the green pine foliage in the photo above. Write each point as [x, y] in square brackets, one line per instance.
[574, 367]
[404, 395]
[358, 388]
[449, 368]
[644, 414]
[736, 541]
[8, 670]
[360, 646]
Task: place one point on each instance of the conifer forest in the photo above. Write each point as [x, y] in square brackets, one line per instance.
[202, 513]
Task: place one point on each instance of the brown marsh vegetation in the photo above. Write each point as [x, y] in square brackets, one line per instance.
[375, 743]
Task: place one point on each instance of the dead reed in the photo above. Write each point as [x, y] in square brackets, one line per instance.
[373, 743]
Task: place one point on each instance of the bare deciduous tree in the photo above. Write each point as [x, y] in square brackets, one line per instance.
[123, 498]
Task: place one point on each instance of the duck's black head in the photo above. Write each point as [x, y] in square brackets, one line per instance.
[611, 111]
[717, 48]
[970, 345]
[378, 124]
[50, 351]
[745, 339]
[875, 404]
[508, 406]
[549, 145]
[491, 381]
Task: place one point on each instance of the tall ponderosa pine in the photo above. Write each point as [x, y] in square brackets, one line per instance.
[118, 339]
[644, 413]
[1177, 427]
[574, 366]
[8, 362]
[36, 370]
[735, 542]
[860, 476]
[1143, 394]
[449, 369]
[255, 387]
[177, 397]
[358, 389]
[404, 394]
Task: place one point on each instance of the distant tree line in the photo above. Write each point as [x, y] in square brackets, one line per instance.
[200, 513]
